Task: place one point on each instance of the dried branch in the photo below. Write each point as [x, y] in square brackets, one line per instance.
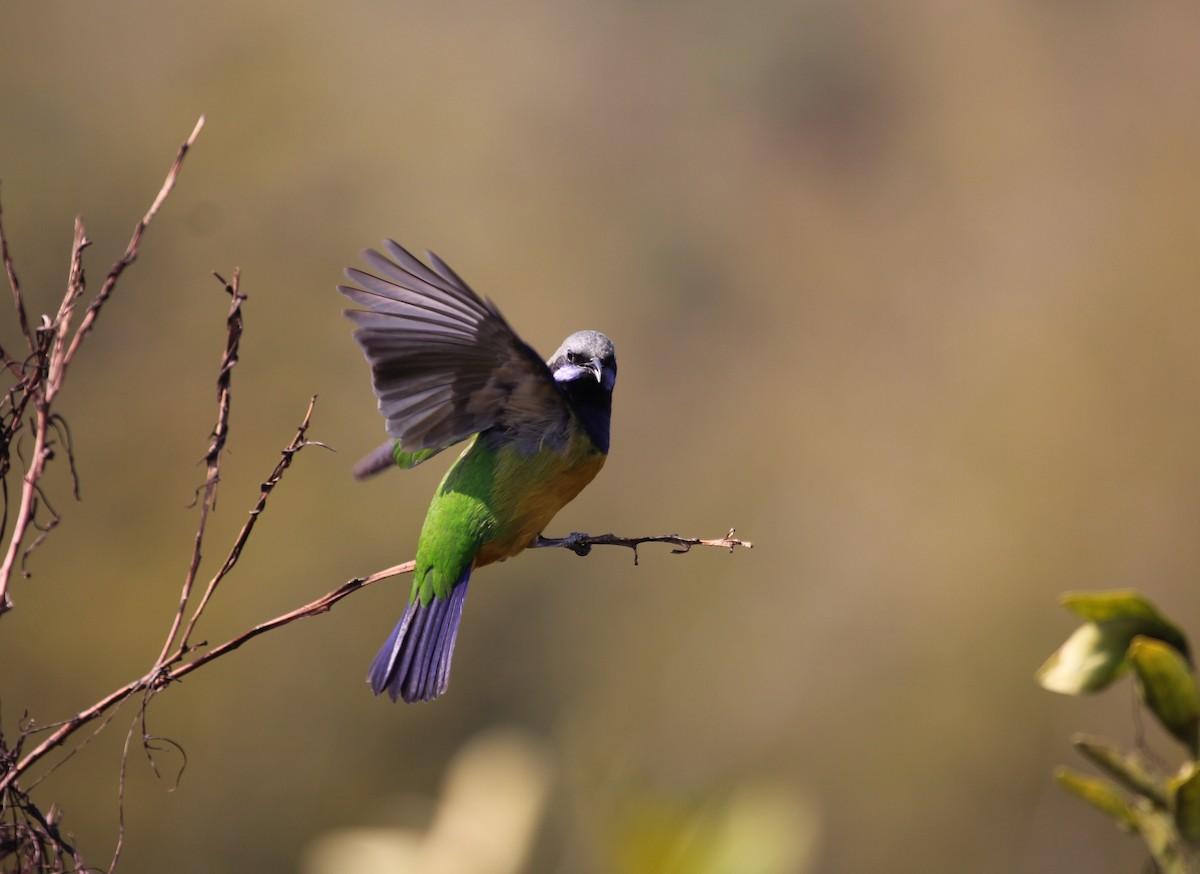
[212, 458]
[52, 348]
[131, 250]
[313, 608]
[239, 542]
[177, 665]
[18, 301]
[178, 668]
[581, 544]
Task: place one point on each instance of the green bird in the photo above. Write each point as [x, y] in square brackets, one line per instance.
[447, 367]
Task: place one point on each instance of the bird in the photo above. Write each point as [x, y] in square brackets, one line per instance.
[446, 367]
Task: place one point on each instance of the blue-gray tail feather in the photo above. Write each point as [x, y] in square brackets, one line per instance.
[414, 664]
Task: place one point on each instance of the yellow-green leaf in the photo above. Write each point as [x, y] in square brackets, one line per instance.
[1130, 767]
[1095, 655]
[1187, 806]
[1168, 688]
[1117, 604]
[1158, 830]
[1091, 659]
[1100, 794]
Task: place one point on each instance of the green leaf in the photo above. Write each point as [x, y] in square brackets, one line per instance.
[1100, 794]
[1162, 840]
[1187, 806]
[1168, 688]
[1091, 659]
[1095, 655]
[1130, 767]
[1118, 604]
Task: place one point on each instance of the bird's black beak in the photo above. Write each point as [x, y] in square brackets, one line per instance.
[597, 369]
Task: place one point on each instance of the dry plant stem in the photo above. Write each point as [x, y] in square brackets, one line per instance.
[313, 608]
[174, 665]
[131, 251]
[212, 458]
[581, 544]
[43, 397]
[576, 541]
[33, 474]
[159, 677]
[18, 301]
[239, 542]
[49, 362]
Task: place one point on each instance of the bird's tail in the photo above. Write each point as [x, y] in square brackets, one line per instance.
[414, 664]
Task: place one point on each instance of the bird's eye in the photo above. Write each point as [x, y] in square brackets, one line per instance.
[574, 357]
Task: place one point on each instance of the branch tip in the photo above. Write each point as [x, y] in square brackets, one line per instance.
[581, 544]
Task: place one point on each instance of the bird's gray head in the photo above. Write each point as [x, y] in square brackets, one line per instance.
[585, 355]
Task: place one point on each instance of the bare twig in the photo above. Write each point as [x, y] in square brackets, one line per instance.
[159, 678]
[212, 458]
[313, 608]
[581, 544]
[68, 728]
[18, 301]
[239, 542]
[131, 250]
[24, 514]
[60, 328]
[578, 542]
[42, 385]
[52, 348]
[172, 665]
[176, 665]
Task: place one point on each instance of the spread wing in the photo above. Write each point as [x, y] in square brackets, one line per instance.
[444, 362]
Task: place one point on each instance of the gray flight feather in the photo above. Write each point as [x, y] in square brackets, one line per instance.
[444, 362]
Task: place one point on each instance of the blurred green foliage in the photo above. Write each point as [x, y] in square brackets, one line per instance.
[906, 293]
[1165, 808]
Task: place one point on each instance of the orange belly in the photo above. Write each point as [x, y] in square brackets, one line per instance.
[530, 491]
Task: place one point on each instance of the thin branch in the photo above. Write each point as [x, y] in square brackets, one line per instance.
[42, 385]
[233, 337]
[25, 509]
[43, 528]
[239, 542]
[131, 251]
[581, 544]
[163, 669]
[68, 728]
[18, 300]
[159, 678]
[175, 667]
[313, 608]
[61, 326]
[30, 730]
[52, 350]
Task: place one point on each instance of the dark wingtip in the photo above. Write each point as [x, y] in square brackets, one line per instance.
[379, 460]
[414, 663]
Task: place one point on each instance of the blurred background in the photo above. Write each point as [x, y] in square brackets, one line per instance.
[907, 294]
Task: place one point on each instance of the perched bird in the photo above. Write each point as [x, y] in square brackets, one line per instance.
[447, 367]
